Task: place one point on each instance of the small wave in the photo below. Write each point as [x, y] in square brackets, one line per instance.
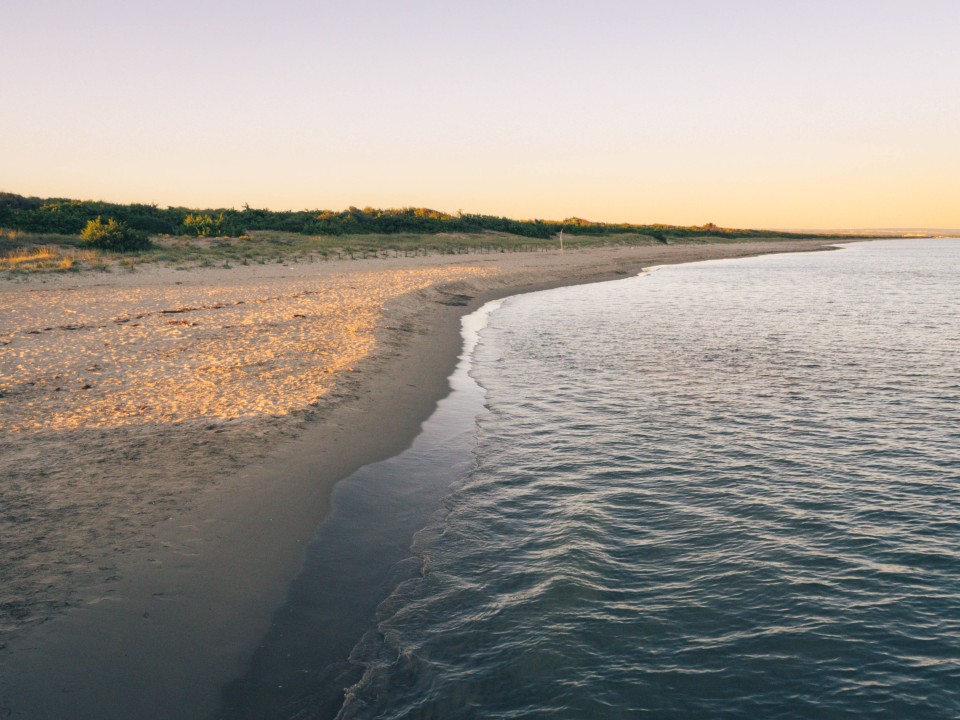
[709, 493]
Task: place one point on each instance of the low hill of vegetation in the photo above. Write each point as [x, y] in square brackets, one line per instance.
[58, 235]
[70, 217]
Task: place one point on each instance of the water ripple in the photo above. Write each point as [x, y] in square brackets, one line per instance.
[724, 490]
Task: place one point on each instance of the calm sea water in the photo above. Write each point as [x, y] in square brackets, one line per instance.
[729, 489]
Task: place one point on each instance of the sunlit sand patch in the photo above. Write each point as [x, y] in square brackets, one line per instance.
[113, 357]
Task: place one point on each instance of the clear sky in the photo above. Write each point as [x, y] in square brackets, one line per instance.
[760, 113]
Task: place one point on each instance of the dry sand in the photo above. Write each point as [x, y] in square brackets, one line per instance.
[169, 440]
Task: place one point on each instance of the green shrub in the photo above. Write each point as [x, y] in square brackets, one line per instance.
[113, 235]
[203, 225]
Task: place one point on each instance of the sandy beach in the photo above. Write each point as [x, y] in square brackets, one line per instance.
[169, 440]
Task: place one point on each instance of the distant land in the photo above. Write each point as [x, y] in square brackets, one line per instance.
[882, 232]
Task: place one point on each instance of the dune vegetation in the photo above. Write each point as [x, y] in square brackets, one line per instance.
[56, 234]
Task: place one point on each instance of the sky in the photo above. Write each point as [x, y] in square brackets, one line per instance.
[745, 113]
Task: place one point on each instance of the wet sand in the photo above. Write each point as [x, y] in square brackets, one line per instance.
[154, 518]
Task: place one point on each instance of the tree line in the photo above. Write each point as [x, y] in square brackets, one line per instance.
[70, 217]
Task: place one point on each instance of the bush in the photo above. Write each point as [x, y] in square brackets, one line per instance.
[113, 235]
[203, 225]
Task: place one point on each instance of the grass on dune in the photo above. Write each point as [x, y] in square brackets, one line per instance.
[49, 258]
[23, 253]
[267, 245]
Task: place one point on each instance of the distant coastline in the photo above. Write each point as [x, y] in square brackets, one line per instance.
[889, 233]
[69, 216]
[52, 235]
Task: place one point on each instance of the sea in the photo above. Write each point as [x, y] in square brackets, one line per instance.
[726, 489]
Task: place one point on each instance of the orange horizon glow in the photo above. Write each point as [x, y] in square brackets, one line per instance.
[744, 114]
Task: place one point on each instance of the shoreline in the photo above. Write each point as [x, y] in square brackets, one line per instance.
[190, 603]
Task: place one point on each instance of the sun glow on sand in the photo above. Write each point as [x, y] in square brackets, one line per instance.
[140, 354]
